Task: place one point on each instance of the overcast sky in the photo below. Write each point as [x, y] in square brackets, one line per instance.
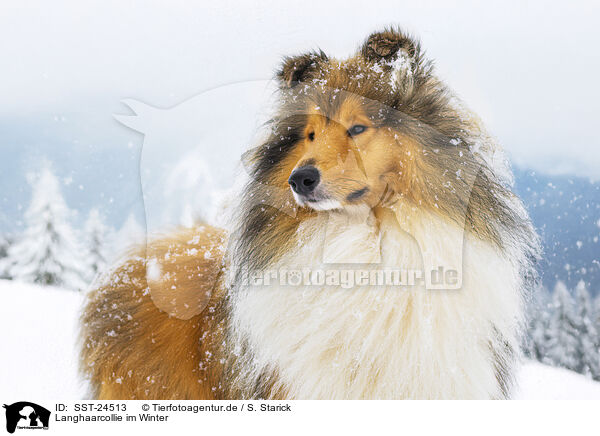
[529, 69]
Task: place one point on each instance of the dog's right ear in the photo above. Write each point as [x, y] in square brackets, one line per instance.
[298, 68]
[386, 45]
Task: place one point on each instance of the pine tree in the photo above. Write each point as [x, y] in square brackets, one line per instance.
[96, 237]
[5, 242]
[597, 312]
[588, 352]
[128, 236]
[562, 332]
[537, 338]
[47, 252]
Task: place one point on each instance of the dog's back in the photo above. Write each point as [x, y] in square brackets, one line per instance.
[146, 327]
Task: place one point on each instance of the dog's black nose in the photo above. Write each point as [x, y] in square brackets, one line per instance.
[304, 180]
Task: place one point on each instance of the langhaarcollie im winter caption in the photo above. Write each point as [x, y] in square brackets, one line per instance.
[377, 252]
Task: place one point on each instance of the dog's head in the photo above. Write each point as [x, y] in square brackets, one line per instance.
[369, 131]
[364, 130]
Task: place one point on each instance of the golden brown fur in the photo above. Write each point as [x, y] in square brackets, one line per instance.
[133, 349]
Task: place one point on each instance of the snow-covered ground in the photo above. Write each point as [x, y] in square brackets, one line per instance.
[39, 362]
[542, 382]
[39, 334]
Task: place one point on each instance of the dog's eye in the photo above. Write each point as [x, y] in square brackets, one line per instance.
[311, 136]
[356, 129]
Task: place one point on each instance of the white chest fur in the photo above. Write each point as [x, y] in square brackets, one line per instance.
[383, 341]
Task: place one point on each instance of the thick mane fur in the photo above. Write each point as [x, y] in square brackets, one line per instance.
[456, 176]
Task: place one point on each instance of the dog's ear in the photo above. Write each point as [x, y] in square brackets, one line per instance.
[298, 68]
[386, 46]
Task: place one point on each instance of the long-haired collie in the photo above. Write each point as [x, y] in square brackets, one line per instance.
[376, 252]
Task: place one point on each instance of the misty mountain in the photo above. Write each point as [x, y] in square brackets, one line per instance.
[566, 212]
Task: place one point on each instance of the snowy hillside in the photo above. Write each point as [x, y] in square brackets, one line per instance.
[39, 326]
[38, 340]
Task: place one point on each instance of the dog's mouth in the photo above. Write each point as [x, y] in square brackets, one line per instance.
[309, 189]
[321, 200]
[317, 201]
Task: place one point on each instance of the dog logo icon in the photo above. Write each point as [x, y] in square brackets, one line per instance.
[26, 415]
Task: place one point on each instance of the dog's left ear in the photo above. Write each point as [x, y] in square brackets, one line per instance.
[299, 68]
[387, 45]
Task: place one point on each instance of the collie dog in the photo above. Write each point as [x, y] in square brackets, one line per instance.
[373, 169]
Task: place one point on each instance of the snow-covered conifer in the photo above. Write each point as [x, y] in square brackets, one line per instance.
[129, 235]
[47, 251]
[96, 236]
[537, 338]
[588, 352]
[563, 339]
[5, 242]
